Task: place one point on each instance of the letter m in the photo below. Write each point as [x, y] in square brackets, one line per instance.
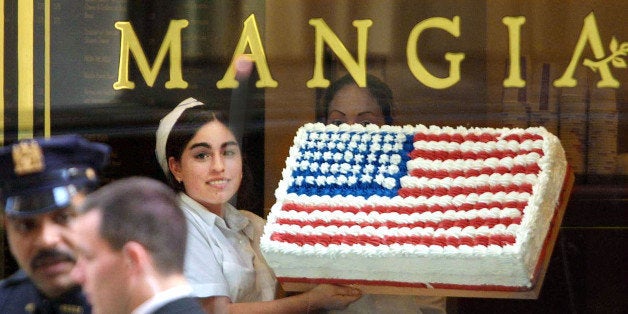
[171, 43]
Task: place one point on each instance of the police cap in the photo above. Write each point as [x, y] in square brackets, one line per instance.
[40, 175]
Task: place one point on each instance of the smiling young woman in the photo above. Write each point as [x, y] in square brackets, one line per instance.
[202, 159]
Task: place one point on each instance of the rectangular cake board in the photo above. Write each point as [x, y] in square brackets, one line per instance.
[532, 293]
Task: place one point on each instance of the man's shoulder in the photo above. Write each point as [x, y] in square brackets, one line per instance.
[16, 293]
[187, 305]
[14, 281]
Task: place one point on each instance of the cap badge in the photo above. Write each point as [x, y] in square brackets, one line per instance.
[28, 158]
[30, 307]
[90, 174]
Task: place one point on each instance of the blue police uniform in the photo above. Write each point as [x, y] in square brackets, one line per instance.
[39, 176]
[19, 295]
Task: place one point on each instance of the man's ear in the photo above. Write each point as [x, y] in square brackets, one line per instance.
[136, 257]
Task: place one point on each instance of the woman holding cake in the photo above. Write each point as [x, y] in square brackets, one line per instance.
[202, 160]
[346, 102]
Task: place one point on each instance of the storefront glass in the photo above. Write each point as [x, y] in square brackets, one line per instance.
[109, 70]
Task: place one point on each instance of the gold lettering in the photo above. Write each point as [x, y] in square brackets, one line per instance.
[591, 35]
[415, 65]
[514, 44]
[25, 69]
[250, 37]
[324, 34]
[171, 43]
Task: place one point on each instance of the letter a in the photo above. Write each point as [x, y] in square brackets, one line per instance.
[249, 37]
[590, 34]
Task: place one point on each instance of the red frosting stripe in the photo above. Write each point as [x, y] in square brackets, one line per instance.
[441, 191]
[350, 239]
[523, 137]
[468, 173]
[444, 224]
[456, 137]
[472, 137]
[403, 210]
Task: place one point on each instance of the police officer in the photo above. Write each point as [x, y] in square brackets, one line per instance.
[41, 181]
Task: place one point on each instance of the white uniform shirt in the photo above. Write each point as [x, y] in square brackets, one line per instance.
[223, 256]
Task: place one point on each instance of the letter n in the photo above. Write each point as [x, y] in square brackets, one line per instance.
[357, 69]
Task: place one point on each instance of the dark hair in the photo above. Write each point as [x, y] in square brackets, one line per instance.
[376, 87]
[146, 211]
[182, 132]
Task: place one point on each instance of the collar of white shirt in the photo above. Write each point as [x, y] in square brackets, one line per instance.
[232, 218]
[161, 298]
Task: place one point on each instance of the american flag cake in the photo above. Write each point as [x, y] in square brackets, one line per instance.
[414, 206]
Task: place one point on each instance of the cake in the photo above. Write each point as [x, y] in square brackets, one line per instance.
[415, 206]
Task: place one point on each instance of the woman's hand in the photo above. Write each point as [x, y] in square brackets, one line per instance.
[331, 297]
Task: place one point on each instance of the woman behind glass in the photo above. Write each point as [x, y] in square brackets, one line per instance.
[202, 160]
[346, 102]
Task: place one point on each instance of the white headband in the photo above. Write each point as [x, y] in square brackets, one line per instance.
[165, 126]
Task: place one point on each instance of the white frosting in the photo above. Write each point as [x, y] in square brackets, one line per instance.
[492, 180]
[355, 154]
[469, 146]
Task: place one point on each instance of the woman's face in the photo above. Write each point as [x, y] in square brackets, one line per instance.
[210, 166]
[353, 104]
